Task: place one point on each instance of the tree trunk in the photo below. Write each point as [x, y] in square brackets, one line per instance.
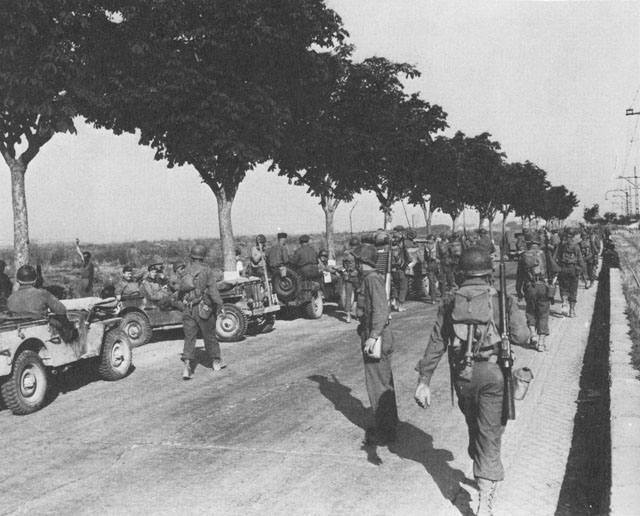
[20, 216]
[426, 211]
[225, 199]
[329, 206]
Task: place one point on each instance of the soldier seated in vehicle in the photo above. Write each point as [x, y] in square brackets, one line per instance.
[157, 293]
[36, 303]
[305, 259]
[127, 287]
[257, 261]
[328, 274]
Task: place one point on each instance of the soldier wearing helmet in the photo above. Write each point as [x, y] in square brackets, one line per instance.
[569, 257]
[446, 278]
[37, 303]
[534, 282]
[6, 285]
[201, 305]
[399, 264]
[480, 391]
[373, 306]
[278, 256]
[328, 272]
[257, 262]
[350, 276]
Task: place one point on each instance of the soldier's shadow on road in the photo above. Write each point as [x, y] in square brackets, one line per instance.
[412, 443]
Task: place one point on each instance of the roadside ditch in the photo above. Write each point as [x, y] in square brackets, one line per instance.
[586, 485]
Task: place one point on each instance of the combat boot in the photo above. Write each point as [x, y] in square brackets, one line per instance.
[542, 343]
[565, 307]
[187, 372]
[532, 334]
[572, 310]
[487, 489]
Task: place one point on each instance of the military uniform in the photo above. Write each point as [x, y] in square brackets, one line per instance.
[36, 303]
[531, 283]
[127, 288]
[431, 262]
[305, 261]
[205, 291]
[351, 281]
[399, 282]
[278, 256]
[6, 286]
[480, 399]
[257, 261]
[85, 284]
[588, 272]
[157, 293]
[446, 278]
[569, 257]
[29, 301]
[373, 312]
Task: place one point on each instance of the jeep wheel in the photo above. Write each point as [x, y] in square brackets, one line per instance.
[137, 327]
[232, 326]
[313, 309]
[116, 356]
[287, 288]
[26, 389]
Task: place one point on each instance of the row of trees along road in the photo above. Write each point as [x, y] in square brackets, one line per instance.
[223, 85]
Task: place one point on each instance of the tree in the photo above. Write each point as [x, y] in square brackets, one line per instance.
[530, 190]
[591, 214]
[557, 204]
[482, 171]
[42, 69]
[217, 86]
[397, 128]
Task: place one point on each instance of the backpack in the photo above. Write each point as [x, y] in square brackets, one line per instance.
[473, 308]
[569, 256]
[587, 252]
[535, 263]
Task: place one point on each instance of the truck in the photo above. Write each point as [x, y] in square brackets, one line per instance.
[32, 349]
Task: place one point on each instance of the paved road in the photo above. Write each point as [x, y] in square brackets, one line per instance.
[277, 432]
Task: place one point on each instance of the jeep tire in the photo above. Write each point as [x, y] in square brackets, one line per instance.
[232, 326]
[25, 391]
[115, 356]
[287, 288]
[137, 327]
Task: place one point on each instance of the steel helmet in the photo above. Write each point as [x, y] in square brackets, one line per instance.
[26, 274]
[476, 261]
[323, 252]
[411, 234]
[198, 252]
[366, 253]
[261, 239]
[354, 242]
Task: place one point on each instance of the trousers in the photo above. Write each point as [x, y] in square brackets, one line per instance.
[399, 285]
[380, 389]
[538, 307]
[568, 281]
[480, 400]
[192, 323]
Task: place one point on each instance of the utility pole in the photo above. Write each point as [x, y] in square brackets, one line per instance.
[633, 181]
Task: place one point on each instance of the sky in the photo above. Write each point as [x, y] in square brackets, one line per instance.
[550, 81]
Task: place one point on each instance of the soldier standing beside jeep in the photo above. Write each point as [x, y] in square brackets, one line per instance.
[201, 299]
[278, 256]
